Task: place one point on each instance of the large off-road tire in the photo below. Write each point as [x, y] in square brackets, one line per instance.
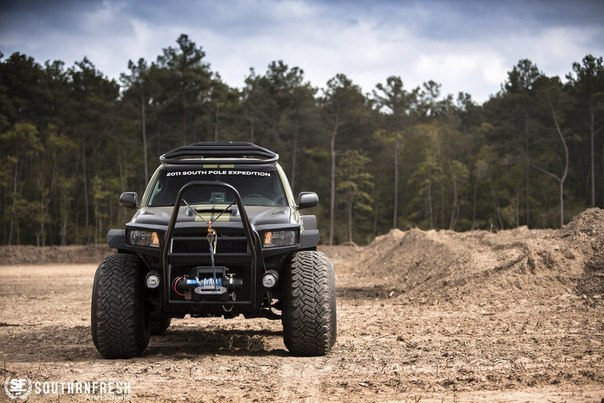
[309, 306]
[118, 319]
[158, 327]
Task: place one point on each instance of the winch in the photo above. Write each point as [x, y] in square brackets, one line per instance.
[206, 282]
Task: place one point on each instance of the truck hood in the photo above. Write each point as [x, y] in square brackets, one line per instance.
[258, 215]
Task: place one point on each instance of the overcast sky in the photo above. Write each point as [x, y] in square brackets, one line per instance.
[466, 45]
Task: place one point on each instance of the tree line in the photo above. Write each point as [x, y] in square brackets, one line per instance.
[72, 140]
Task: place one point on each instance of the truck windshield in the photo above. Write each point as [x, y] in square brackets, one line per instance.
[257, 188]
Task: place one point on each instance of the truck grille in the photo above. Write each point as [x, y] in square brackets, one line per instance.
[225, 244]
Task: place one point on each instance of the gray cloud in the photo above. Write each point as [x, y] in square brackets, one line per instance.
[466, 45]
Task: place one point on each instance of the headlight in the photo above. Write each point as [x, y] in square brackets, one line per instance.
[280, 238]
[144, 238]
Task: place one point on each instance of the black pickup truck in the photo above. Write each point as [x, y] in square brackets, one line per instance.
[218, 232]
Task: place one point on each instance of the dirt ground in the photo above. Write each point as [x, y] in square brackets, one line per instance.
[422, 316]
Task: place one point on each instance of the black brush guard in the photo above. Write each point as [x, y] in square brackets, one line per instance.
[252, 304]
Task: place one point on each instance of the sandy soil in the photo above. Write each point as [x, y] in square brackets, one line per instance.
[422, 316]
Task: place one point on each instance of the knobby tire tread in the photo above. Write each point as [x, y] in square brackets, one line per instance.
[309, 311]
[118, 319]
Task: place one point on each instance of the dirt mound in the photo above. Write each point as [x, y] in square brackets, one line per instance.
[23, 254]
[586, 232]
[589, 222]
[485, 268]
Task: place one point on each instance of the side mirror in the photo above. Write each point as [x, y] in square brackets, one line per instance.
[307, 200]
[128, 199]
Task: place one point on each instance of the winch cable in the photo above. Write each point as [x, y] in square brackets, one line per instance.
[212, 241]
[212, 236]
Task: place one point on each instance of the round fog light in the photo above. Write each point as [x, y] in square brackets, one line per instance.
[152, 280]
[270, 278]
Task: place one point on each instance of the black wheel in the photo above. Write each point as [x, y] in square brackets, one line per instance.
[159, 326]
[118, 318]
[309, 309]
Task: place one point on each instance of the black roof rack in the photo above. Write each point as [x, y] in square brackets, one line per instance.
[220, 153]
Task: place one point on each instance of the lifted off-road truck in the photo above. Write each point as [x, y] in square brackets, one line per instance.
[218, 232]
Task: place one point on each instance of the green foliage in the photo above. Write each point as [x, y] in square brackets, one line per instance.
[355, 185]
[72, 140]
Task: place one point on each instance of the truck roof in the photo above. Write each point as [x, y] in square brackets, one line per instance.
[221, 152]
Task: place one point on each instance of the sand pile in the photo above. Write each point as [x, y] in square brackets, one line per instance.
[485, 268]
